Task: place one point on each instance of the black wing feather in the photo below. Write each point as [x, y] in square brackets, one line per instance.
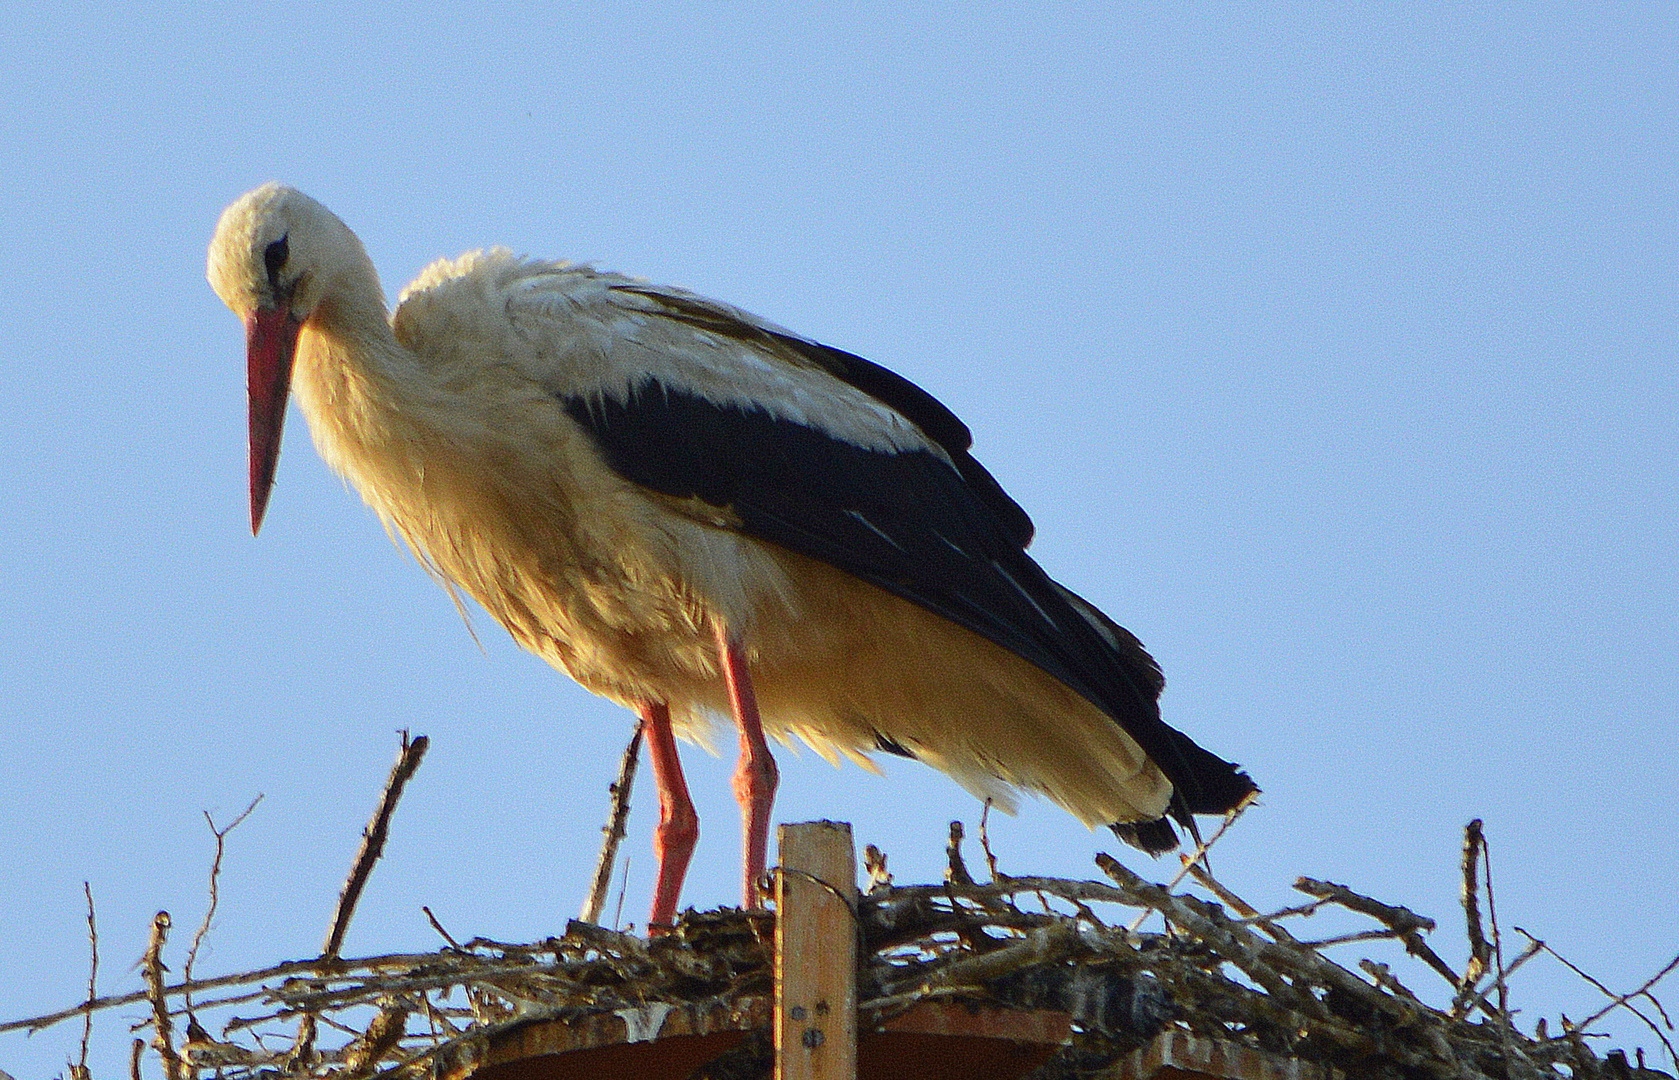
[922, 409]
[914, 524]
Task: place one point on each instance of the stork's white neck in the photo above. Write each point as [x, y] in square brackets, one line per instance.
[358, 387]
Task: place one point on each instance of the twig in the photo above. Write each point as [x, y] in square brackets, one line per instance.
[985, 839]
[1204, 846]
[1274, 917]
[1394, 917]
[1348, 938]
[1644, 991]
[1619, 1000]
[1382, 975]
[1403, 921]
[1479, 952]
[971, 971]
[1507, 1026]
[874, 863]
[956, 870]
[1249, 913]
[614, 830]
[373, 841]
[623, 890]
[435, 925]
[1212, 885]
[162, 1037]
[80, 1071]
[372, 846]
[1200, 854]
[1475, 1000]
[215, 875]
[1015, 886]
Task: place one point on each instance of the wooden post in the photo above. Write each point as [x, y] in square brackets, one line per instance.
[816, 953]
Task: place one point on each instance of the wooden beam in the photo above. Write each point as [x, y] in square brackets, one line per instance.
[816, 953]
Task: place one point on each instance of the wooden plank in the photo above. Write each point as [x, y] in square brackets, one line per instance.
[816, 953]
[651, 1043]
[1175, 1054]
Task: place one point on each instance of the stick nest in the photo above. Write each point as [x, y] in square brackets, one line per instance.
[1026, 942]
[1216, 968]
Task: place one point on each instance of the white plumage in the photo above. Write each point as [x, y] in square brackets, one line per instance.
[637, 482]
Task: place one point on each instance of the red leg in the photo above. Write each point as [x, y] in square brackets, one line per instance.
[679, 826]
[755, 775]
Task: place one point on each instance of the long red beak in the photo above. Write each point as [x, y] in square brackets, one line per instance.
[270, 345]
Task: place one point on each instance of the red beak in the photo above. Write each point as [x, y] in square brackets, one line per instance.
[270, 345]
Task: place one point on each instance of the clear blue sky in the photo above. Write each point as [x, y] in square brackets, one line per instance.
[1332, 347]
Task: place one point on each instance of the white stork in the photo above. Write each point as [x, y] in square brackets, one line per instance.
[691, 510]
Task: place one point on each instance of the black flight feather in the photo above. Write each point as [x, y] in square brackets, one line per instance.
[938, 533]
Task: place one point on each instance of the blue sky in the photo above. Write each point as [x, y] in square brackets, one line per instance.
[1330, 346]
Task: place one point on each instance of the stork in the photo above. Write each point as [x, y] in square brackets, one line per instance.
[692, 511]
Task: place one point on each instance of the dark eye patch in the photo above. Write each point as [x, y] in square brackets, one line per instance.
[274, 257]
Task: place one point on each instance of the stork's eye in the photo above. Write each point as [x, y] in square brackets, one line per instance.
[274, 257]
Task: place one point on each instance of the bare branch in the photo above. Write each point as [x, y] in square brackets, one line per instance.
[435, 925]
[956, 870]
[1474, 843]
[1403, 921]
[985, 840]
[614, 830]
[1199, 856]
[373, 840]
[1507, 1028]
[80, 1071]
[372, 846]
[163, 1032]
[215, 899]
[1620, 1001]
[1399, 919]
[623, 890]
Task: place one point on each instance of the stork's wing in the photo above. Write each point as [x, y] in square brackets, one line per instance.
[918, 517]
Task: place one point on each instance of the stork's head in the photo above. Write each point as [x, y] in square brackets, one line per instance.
[282, 261]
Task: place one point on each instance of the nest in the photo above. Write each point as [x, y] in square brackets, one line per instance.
[1216, 968]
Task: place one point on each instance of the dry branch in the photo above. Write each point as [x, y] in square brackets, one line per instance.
[303, 1054]
[956, 869]
[435, 925]
[215, 895]
[1619, 1001]
[1480, 953]
[79, 1070]
[152, 965]
[1406, 923]
[373, 840]
[614, 829]
[1398, 919]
